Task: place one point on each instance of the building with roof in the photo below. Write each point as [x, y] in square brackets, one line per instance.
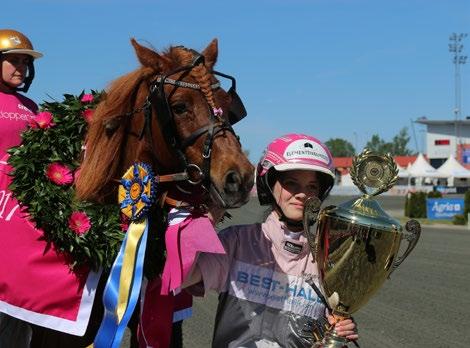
[343, 164]
[445, 138]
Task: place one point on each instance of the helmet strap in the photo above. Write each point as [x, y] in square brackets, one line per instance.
[292, 225]
[28, 79]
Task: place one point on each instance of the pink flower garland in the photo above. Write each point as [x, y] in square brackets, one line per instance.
[43, 120]
[79, 222]
[59, 174]
[88, 114]
[87, 98]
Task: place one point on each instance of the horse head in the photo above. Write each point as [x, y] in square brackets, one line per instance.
[173, 114]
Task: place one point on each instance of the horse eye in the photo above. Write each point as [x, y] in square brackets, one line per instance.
[179, 108]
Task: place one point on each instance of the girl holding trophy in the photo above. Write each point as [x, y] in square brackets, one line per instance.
[265, 299]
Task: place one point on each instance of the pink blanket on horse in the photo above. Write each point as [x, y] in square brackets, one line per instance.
[36, 284]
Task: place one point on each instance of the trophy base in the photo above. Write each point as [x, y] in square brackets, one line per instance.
[331, 340]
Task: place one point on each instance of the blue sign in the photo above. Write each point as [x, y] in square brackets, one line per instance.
[466, 156]
[444, 208]
[445, 189]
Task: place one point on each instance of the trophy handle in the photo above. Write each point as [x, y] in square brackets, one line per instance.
[311, 212]
[414, 229]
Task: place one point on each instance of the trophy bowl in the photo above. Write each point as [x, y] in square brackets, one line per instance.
[356, 245]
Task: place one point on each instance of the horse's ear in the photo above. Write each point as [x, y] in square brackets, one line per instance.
[148, 57]
[210, 54]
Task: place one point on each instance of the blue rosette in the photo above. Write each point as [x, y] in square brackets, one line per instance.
[136, 195]
[137, 191]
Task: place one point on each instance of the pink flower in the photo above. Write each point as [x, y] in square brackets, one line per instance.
[88, 114]
[87, 98]
[76, 175]
[42, 120]
[79, 222]
[59, 174]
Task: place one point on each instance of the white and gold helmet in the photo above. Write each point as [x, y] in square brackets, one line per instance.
[12, 41]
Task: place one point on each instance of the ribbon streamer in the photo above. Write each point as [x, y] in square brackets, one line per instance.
[136, 194]
[123, 287]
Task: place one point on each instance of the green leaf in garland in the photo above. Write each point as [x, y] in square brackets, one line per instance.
[59, 139]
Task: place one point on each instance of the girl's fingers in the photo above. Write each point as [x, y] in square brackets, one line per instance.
[345, 325]
[347, 328]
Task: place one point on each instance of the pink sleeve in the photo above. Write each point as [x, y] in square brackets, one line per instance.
[215, 268]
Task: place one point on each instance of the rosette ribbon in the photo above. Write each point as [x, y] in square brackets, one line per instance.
[136, 195]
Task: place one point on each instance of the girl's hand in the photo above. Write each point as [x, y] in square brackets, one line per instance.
[345, 328]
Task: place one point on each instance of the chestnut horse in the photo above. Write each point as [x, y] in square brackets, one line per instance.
[172, 114]
[185, 134]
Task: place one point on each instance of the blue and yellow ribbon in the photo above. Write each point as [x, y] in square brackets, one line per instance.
[136, 195]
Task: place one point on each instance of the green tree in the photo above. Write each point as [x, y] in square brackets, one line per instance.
[400, 143]
[340, 147]
[377, 144]
[397, 147]
[466, 210]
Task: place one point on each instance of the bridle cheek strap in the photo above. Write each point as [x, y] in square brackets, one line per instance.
[212, 130]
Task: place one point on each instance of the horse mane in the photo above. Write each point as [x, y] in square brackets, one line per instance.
[99, 168]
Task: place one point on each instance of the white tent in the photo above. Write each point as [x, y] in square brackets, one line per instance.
[422, 169]
[346, 180]
[346, 187]
[402, 172]
[453, 169]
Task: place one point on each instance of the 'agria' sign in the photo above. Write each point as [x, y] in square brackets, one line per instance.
[444, 208]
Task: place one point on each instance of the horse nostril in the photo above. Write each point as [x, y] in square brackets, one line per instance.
[232, 182]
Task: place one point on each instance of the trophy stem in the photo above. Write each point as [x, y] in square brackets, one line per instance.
[331, 338]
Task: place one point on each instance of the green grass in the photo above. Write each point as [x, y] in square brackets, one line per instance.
[424, 221]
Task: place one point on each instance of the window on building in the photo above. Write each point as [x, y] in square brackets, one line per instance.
[441, 142]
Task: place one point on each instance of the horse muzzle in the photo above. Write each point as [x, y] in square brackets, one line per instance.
[236, 188]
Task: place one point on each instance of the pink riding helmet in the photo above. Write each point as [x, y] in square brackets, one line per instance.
[291, 152]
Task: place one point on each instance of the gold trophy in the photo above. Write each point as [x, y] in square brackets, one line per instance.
[356, 245]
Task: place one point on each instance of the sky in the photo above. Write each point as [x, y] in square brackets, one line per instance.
[329, 68]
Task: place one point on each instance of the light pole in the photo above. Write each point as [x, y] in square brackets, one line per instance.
[456, 47]
[356, 149]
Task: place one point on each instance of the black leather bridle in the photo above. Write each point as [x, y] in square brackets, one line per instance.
[165, 118]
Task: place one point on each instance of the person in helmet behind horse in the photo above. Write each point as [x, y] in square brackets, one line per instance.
[265, 300]
[17, 72]
[16, 110]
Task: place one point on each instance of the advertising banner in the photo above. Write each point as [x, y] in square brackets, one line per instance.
[466, 156]
[444, 208]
